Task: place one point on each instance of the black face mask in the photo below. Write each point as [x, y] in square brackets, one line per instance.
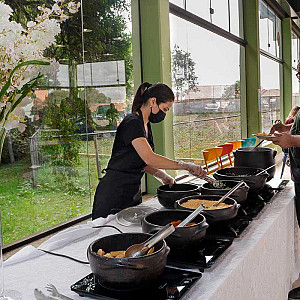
[156, 118]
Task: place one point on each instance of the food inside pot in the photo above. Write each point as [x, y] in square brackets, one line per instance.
[176, 223]
[221, 186]
[208, 204]
[118, 254]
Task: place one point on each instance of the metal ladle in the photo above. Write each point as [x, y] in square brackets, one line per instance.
[215, 183]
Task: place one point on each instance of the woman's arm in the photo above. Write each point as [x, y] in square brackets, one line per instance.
[157, 161]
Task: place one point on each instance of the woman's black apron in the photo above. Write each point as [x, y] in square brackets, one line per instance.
[119, 189]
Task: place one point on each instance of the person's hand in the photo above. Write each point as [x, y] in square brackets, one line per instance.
[284, 140]
[279, 127]
[194, 169]
[164, 177]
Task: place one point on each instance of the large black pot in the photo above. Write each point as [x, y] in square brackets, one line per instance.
[182, 238]
[240, 195]
[216, 215]
[256, 158]
[126, 273]
[246, 174]
[168, 195]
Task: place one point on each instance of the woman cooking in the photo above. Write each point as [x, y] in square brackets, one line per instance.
[133, 153]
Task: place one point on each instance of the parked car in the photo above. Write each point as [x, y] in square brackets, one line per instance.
[212, 106]
[82, 129]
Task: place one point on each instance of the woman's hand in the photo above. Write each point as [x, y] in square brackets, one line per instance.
[284, 140]
[164, 177]
[167, 179]
[194, 169]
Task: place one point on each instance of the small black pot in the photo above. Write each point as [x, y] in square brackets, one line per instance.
[256, 158]
[246, 174]
[240, 195]
[168, 195]
[215, 215]
[182, 238]
[126, 273]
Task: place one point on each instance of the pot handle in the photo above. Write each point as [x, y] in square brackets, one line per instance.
[234, 153]
[274, 153]
[204, 227]
[153, 231]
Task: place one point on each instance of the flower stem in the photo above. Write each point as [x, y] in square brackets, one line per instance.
[2, 138]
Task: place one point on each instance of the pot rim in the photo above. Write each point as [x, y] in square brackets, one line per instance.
[187, 191]
[251, 149]
[173, 210]
[125, 258]
[205, 184]
[219, 172]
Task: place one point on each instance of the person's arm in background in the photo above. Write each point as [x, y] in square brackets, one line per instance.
[281, 127]
[157, 161]
[160, 175]
[285, 140]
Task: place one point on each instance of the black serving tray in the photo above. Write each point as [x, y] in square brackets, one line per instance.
[204, 256]
[173, 284]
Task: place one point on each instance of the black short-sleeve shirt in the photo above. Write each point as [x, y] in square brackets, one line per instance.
[124, 157]
[295, 152]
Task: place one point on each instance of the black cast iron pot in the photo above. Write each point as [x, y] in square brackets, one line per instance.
[168, 195]
[182, 238]
[215, 215]
[126, 273]
[256, 158]
[246, 174]
[240, 195]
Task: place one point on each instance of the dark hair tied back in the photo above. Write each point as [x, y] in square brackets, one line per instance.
[146, 90]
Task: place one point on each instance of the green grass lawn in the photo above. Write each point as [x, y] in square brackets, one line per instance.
[26, 210]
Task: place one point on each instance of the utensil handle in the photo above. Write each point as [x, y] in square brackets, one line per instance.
[229, 193]
[160, 235]
[265, 170]
[191, 216]
[258, 144]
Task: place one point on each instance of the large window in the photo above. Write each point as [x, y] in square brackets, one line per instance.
[270, 92]
[270, 66]
[72, 122]
[223, 13]
[295, 81]
[206, 82]
[269, 30]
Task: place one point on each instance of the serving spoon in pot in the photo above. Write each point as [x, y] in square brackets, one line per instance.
[215, 183]
[137, 250]
[265, 170]
[229, 193]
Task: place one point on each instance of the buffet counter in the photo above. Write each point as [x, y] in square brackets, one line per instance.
[261, 264]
